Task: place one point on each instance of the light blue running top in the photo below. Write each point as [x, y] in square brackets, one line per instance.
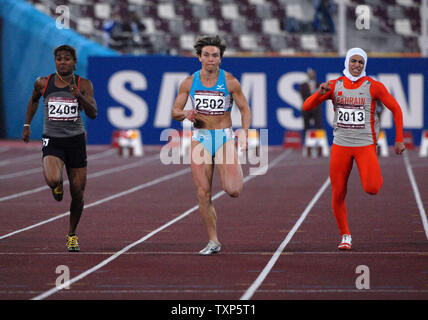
[215, 100]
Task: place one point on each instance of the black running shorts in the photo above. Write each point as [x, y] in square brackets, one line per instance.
[71, 150]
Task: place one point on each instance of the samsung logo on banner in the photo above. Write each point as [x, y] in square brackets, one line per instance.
[132, 110]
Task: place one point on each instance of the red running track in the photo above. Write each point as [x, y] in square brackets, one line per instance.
[132, 248]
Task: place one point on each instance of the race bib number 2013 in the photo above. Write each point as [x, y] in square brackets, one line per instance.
[351, 117]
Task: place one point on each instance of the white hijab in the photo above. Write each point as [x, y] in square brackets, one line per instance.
[349, 54]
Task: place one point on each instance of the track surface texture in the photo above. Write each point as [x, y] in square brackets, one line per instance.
[140, 232]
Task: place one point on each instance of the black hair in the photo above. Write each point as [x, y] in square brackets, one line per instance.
[215, 41]
[67, 48]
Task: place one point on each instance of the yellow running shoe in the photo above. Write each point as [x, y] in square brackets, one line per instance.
[72, 244]
[58, 192]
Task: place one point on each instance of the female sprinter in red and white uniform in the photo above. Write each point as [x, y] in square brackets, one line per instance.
[356, 130]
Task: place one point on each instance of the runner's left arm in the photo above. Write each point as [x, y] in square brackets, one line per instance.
[235, 90]
[378, 91]
[85, 96]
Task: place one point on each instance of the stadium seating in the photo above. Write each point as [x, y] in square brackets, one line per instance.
[251, 26]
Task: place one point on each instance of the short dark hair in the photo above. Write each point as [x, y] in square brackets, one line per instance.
[215, 41]
[67, 48]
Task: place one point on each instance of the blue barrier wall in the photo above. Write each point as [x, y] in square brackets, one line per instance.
[138, 92]
[28, 40]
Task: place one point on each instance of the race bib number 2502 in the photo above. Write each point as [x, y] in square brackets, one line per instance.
[210, 102]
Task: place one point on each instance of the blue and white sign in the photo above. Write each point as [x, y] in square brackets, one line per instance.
[139, 92]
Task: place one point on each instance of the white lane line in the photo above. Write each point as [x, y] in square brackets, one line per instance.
[4, 149]
[361, 293]
[112, 197]
[91, 175]
[252, 289]
[20, 173]
[24, 193]
[231, 253]
[149, 235]
[40, 169]
[20, 159]
[220, 291]
[416, 192]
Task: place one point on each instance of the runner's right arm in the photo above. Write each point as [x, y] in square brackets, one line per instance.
[32, 106]
[180, 102]
[324, 92]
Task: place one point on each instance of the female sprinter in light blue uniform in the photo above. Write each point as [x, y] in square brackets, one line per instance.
[211, 101]
[212, 91]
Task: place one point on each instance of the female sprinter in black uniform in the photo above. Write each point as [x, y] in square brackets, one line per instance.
[65, 95]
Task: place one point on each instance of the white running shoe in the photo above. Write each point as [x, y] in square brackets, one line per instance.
[346, 242]
[211, 248]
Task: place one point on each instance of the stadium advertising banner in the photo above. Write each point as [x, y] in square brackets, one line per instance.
[139, 92]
